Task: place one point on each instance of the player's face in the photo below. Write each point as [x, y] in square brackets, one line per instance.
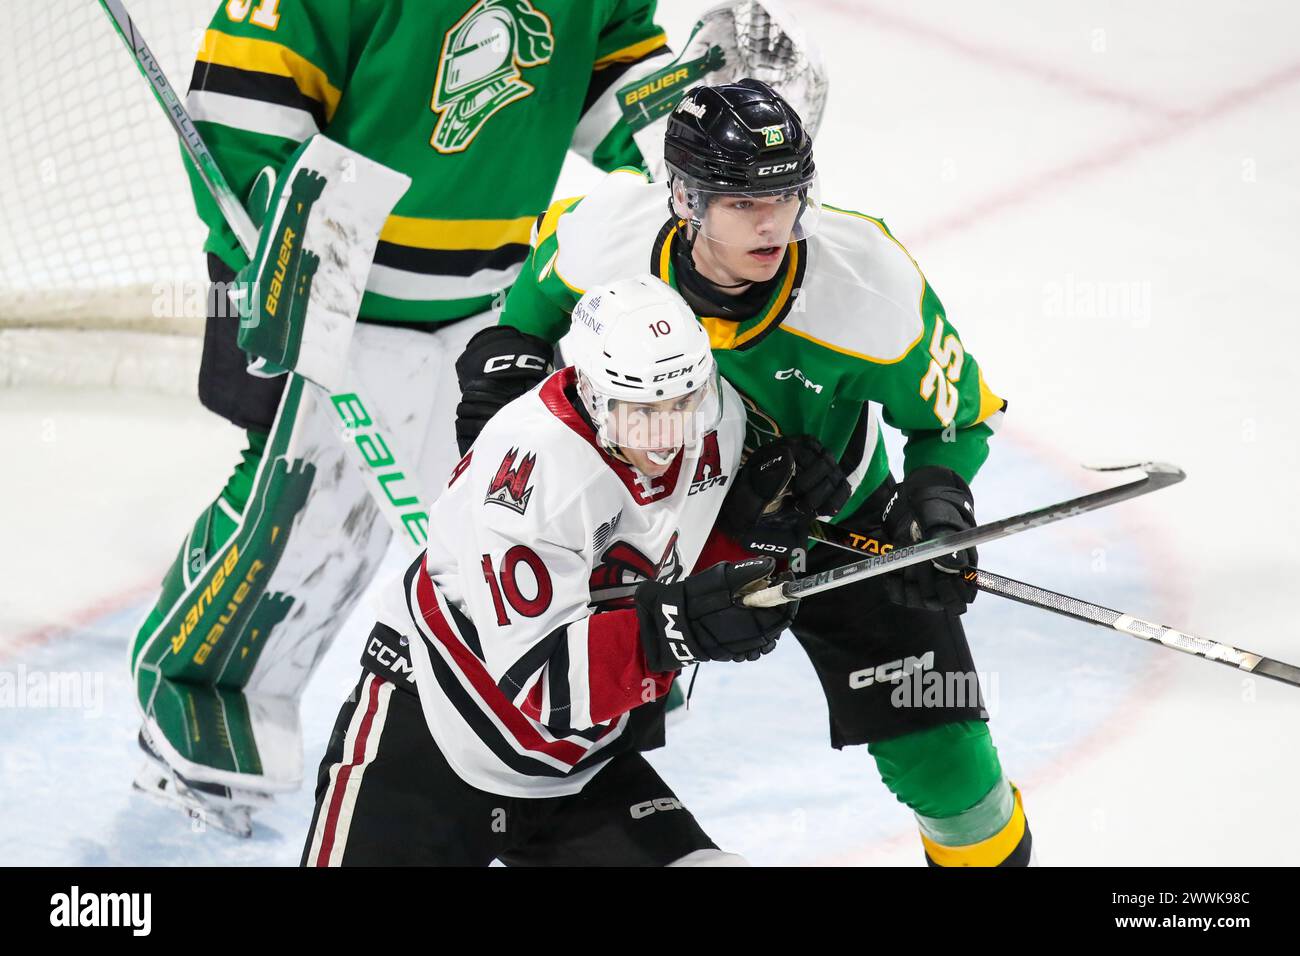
[650, 434]
[743, 238]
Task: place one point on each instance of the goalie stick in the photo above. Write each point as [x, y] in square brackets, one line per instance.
[1086, 611]
[1156, 475]
[412, 530]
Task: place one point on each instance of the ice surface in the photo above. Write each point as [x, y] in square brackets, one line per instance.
[1104, 196]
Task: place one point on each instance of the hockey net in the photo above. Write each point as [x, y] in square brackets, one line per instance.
[102, 279]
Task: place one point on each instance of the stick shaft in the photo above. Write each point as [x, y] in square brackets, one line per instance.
[1157, 475]
[191, 140]
[1081, 610]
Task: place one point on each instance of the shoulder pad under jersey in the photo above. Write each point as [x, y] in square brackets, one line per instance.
[862, 290]
[609, 234]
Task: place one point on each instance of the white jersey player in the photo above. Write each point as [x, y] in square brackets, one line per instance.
[550, 613]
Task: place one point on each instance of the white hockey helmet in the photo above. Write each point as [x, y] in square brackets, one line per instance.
[646, 375]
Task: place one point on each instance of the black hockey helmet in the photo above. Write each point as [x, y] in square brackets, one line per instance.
[738, 138]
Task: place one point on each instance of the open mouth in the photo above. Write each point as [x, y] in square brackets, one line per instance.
[765, 252]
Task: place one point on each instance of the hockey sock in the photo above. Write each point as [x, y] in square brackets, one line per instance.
[994, 832]
[941, 771]
[950, 776]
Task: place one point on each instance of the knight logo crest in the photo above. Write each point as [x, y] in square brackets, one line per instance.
[509, 486]
[481, 67]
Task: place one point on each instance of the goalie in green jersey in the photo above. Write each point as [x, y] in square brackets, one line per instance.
[818, 317]
[477, 102]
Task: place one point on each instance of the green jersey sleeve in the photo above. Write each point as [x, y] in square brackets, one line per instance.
[936, 395]
[540, 301]
[630, 45]
[266, 77]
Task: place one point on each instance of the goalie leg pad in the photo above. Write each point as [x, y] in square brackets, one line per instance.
[256, 611]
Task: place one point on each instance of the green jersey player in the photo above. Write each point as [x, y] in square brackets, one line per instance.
[826, 326]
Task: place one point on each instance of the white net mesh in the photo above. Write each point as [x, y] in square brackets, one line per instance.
[97, 224]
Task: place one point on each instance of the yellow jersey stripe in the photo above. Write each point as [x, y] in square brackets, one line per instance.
[990, 852]
[722, 332]
[990, 404]
[551, 221]
[634, 52]
[266, 56]
[456, 233]
[858, 355]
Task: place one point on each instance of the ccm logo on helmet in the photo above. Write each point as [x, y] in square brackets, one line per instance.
[780, 168]
[499, 363]
[893, 671]
[639, 810]
[675, 373]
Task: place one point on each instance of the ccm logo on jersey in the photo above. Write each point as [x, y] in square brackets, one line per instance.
[509, 486]
[893, 671]
[779, 168]
[708, 470]
[788, 373]
[499, 363]
[639, 810]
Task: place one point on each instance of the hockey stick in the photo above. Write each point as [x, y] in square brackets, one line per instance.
[1091, 613]
[406, 515]
[1156, 476]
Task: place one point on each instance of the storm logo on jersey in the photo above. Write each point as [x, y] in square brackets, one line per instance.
[509, 486]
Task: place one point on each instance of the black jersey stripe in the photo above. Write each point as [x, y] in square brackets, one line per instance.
[514, 679]
[467, 631]
[607, 76]
[476, 718]
[857, 446]
[449, 262]
[251, 85]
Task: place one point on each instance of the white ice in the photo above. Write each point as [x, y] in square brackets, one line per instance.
[1104, 196]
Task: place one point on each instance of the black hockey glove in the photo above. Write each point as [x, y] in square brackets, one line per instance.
[498, 365]
[930, 502]
[700, 618]
[778, 491]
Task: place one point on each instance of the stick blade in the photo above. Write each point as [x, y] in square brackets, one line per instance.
[1278, 670]
[1150, 467]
